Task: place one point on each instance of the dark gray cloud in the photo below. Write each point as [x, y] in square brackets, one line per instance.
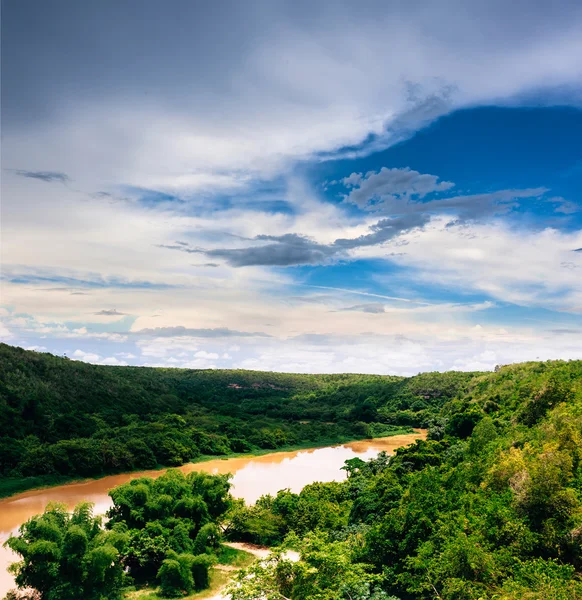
[110, 312]
[374, 308]
[565, 331]
[47, 176]
[286, 250]
[294, 249]
[180, 331]
[64, 282]
[71, 49]
[478, 206]
[373, 191]
[383, 231]
[401, 191]
[181, 248]
[577, 250]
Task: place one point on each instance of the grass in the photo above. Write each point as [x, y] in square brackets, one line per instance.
[234, 558]
[9, 486]
[218, 579]
[229, 557]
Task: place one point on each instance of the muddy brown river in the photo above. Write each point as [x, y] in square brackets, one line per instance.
[252, 477]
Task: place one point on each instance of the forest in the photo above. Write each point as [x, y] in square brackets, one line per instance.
[62, 419]
[488, 507]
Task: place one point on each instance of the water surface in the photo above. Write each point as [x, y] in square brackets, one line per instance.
[252, 477]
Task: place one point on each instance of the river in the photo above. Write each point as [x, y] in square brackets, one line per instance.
[253, 476]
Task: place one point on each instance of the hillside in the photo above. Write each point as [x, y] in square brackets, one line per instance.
[488, 508]
[61, 418]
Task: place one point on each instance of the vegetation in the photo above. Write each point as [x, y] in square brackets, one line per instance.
[69, 556]
[62, 419]
[164, 530]
[488, 507]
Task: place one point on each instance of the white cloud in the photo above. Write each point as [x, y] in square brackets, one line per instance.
[439, 349]
[86, 356]
[112, 360]
[166, 347]
[5, 333]
[204, 354]
[284, 88]
[279, 90]
[529, 268]
[96, 359]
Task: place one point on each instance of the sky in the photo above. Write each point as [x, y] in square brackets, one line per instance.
[372, 187]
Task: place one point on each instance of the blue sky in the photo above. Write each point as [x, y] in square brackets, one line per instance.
[293, 186]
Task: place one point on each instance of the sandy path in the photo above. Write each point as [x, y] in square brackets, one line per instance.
[258, 551]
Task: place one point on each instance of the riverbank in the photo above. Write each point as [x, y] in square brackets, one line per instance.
[11, 487]
[253, 476]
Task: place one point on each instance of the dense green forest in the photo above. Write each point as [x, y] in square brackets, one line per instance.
[61, 418]
[489, 507]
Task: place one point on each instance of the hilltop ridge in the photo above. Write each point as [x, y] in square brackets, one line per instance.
[63, 418]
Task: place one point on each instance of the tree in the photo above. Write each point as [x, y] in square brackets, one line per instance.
[183, 573]
[325, 571]
[199, 567]
[69, 556]
[173, 526]
[554, 391]
[175, 577]
[207, 540]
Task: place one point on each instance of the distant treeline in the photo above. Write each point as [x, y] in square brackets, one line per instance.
[61, 418]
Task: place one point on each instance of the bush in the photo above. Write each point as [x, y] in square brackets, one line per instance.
[200, 567]
[175, 580]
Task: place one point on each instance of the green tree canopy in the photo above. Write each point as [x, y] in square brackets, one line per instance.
[69, 556]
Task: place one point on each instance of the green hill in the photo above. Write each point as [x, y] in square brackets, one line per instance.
[61, 418]
[489, 507]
